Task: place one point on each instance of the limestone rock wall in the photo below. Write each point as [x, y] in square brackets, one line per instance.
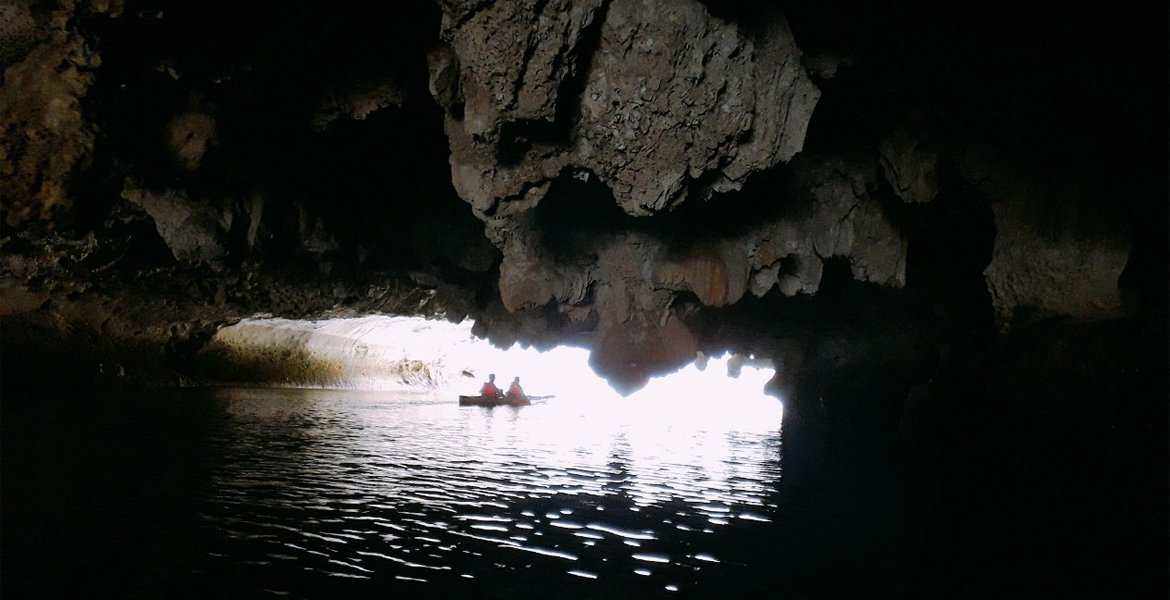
[1054, 254]
[362, 353]
[45, 140]
[656, 108]
[630, 280]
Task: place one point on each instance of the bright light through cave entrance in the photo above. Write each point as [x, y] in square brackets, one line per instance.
[657, 489]
[446, 359]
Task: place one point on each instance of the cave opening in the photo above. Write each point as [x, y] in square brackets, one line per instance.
[442, 357]
[581, 482]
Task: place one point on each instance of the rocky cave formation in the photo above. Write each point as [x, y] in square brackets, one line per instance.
[938, 221]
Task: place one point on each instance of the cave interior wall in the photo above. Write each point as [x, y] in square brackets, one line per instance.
[845, 189]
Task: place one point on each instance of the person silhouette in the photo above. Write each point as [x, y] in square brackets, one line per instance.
[515, 391]
[489, 388]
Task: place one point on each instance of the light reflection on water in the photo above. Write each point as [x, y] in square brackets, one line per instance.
[393, 490]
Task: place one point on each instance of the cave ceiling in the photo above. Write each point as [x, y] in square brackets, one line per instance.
[826, 183]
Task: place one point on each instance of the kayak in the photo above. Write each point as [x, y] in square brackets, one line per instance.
[498, 400]
[493, 401]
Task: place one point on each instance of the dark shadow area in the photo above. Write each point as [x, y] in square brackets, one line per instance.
[853, 351]
[950, 244]
[579, 210]
[101, 493]
[278, 80]
[1007, 76]
[577, 213]
[766, 196]
[1059, 463]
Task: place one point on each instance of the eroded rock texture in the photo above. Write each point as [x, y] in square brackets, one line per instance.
[629, 280]
[656, 108]
[909, 166]
[1054, 254]
[44, 137]
[194, 231]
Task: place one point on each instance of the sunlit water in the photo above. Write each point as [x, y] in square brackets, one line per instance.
[343, 494]
[408, 491]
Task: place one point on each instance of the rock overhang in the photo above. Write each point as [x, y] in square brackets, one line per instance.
[688, 119]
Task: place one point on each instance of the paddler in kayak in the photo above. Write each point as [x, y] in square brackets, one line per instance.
[489, 389]
[515, 392]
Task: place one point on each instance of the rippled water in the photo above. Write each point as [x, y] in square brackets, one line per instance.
[408, 492]
[330, 494]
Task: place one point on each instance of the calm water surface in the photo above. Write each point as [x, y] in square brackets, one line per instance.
[290, 494]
